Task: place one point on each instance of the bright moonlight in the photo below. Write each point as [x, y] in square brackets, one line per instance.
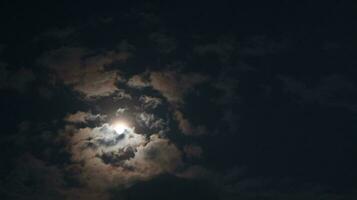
[120, 127]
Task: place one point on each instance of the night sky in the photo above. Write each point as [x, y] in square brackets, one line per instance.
[253, 100]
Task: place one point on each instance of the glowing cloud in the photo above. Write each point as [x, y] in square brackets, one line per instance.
[120, 127]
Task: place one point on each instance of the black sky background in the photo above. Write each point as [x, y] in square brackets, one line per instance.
[287, 68]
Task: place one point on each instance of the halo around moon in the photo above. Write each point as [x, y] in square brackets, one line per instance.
[120, 127]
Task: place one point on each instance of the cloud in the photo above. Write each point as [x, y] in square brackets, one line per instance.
[83, 70]
[33, 178]
[262, 45]
[230, 118]
[164, 43]
[46, 181]
[198, 172]
[90, 148]
[150, 102]
[138, 81]
[229, 87]
[156, 157]
[121, 94]
[18, 80]
[333, 90]
[103, 159]
[173, 188]
[56, 33]
[120, 111]
[223, 48]
[149, 121]
[186, 127]
[83, 117]
[192, 151]
[184, 124]
[174, 85]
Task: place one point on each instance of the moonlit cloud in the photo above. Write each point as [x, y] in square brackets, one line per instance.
[121, 94]
[174, 85]
[100, 157]
[109, 159]
[85, 72]
[186, 127]
[104, 159]
[150, 102]
[155, 101]
[156, 157]
[120, 111]
[150, 121]
[83, 117]
[138, 81]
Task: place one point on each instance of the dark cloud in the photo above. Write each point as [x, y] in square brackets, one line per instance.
[223, 48]
[186, 127]
[35, 179]
[170, 187]
[262, 45]
[333, 90]
[192, 151]
[56, 33]
[18, 80]
[164, 43]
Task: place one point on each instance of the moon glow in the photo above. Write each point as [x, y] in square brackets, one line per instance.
[120, 127]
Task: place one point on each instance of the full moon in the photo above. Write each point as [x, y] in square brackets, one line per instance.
[120, 127]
